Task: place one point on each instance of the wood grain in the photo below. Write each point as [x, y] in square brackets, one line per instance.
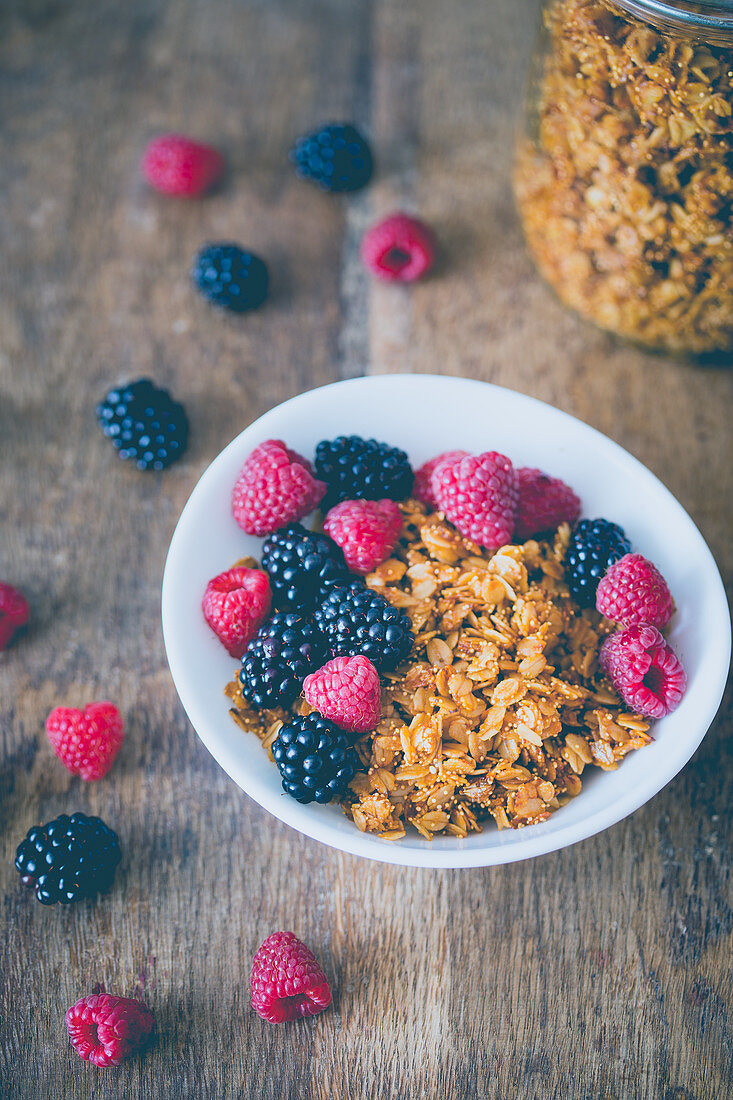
[600, 971]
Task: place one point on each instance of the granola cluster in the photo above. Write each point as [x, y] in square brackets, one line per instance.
[501, 706]
[625, 190]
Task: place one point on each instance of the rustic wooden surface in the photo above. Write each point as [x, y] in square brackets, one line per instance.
[600, 971]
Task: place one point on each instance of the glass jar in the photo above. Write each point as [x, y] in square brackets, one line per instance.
[624, 171]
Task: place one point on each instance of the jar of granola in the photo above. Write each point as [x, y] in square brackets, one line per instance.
[624, 174]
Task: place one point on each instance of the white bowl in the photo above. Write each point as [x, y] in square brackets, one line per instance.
[426, 415]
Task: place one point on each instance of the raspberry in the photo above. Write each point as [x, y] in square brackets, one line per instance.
[275, 487]
[354, 619]
[278, 659]
[362, 469]
[347, 691]
[335, 157]
[68, 859]
[314, 758]
[176, 165]
[479, 495]
[594, 545]
[398, 249]
[302, 565]
[366, 531]
[235, 605]
[86, 741]
[144, 424]
[544, 503]
[287, 983]
[644, 670]
[14, 612]
[229, 277]
[633, 591]
[104, 1029]
[422, 489]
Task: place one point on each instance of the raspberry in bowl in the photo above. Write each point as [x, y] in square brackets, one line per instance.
[630, 755]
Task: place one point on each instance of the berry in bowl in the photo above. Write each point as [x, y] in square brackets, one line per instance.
[438, 623]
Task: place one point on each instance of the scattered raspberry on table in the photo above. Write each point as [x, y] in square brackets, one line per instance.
[235, 605]
[399, 249]
[366, 530]
[422, 489]
[287, 982]
[644, 670]
[275, 487]
[479, 494]
[633, 591]
[86, 741]
[544, 503]
[105, 1030]
[14, 612]
[347, 691]
[177, 165]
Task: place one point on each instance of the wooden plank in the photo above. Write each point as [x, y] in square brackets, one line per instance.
[599, 971]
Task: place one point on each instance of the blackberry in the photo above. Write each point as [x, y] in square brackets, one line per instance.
[594, 545]
[302, 564]
[68, 859]
[144, 423]
[335, 157]
[229, 277]
[278, 659]
[314, 758]
[354, 619]
[356, 468]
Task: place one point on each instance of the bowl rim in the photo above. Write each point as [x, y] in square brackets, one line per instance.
[534, 842]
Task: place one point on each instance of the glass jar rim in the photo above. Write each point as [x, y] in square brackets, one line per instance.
[714, 24]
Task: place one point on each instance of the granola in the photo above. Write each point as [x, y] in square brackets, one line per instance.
[625, 191]
[501, 706]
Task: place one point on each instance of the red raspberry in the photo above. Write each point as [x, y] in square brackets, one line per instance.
[347, 691]
[287, 983]
[544, 503]
[176, 165]
[86, 741]
[422, 489]
[276, 486]
[644, 670]
[14, 612]
[104, 1029]
[235, 605]
[398, 249]
[479, 495]
[366, 531]
[633, 591]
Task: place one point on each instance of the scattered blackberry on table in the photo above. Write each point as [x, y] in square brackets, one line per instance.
[279, 658]
[335, 157]
[315, 759]
[594, 545]
[68, 859]
[145, 424]
[355, 468]
[230, 277]
[302, 565]
[354, 619]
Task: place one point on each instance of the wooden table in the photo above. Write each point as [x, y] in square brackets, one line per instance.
[599, 971]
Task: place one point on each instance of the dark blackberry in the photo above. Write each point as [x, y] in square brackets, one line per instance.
[68, 859]
[356, 468]
[594, 545]
[302, 565]
[315, 759]
[335, 157]
[354, 619]
[144, 423]
[278, 659]
[229, 277]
